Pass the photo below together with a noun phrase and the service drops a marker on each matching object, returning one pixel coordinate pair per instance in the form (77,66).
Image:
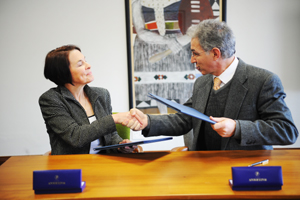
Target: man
(247,104)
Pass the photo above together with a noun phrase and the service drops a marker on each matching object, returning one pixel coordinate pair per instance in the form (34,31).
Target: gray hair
(212,33)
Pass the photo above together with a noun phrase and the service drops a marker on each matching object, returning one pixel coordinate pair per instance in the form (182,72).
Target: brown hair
(57,65)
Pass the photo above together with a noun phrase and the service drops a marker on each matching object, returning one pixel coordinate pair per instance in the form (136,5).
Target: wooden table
(162,175)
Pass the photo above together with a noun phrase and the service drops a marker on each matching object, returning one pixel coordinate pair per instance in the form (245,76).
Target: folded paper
(256,178)
(57,181)
(181,108)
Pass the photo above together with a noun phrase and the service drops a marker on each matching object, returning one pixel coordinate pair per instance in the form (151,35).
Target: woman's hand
(134,119)
(126,119)
(127,149)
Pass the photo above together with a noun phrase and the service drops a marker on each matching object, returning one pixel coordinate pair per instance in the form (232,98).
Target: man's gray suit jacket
(255,101)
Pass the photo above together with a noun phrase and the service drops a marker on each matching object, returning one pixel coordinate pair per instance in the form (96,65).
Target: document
(181,108)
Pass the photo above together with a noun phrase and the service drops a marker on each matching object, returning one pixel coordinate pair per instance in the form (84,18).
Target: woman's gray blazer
(67,123)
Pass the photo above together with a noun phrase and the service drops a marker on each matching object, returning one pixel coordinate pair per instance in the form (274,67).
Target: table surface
(155,175)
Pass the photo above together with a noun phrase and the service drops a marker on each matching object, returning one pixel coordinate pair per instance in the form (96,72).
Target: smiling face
(204,61)
(79,68)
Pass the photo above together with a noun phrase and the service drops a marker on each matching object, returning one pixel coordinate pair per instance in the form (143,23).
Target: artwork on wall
(158,46)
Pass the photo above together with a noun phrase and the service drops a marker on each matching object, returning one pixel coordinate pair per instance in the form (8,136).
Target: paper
(181,108)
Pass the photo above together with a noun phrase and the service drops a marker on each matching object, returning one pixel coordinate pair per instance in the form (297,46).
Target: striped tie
(217,83)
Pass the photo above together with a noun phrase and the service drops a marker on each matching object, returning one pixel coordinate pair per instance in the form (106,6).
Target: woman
(78,117)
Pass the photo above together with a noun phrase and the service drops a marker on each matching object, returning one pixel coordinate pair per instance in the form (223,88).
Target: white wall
(267,34)
(29,30)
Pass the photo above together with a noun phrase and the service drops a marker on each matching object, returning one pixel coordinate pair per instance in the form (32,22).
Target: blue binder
(181,108)
(114,146)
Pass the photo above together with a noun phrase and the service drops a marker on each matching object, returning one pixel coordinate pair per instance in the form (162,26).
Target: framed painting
(158,46)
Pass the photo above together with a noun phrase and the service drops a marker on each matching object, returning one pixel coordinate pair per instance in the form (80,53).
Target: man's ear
(217,53)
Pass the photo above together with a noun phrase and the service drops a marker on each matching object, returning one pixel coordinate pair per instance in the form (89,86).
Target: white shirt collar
(227,75)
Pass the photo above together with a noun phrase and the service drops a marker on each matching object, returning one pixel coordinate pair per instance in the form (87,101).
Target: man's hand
(126,119)
(225,127)
(140,117)
(134,119)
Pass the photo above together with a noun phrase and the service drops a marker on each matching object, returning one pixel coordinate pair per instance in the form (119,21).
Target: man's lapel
(236,95)
(200,99)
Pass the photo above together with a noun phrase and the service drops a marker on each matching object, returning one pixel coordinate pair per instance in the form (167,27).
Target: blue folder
(132,143)
(181,108)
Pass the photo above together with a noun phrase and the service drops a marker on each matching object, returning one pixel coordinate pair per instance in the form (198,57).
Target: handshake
(133,119)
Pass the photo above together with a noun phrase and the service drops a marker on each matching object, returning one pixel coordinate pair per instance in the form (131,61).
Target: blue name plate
(57,181)
(256,178)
